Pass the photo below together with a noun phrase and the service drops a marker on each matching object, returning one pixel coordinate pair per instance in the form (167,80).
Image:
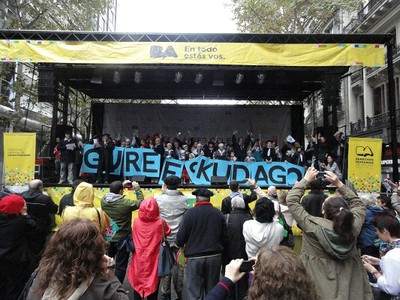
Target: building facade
(363,109)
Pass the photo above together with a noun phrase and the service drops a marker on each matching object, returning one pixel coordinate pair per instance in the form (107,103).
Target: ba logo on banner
(364,151)
(159,52)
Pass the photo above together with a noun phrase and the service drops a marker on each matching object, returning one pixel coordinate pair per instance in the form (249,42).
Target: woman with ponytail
(329,250)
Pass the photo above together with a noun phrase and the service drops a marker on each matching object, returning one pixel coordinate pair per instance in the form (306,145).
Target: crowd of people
(319,152)
(350,245)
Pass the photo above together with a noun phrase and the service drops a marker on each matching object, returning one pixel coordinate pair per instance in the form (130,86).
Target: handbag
(127,244)
(110,230)
(166,258)
(288,240)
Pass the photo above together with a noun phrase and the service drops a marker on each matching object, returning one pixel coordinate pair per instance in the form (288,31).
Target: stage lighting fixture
(96,77)
(117,77)
(239,78)
(178,77)
(138,77)
(199,78)
(260,78)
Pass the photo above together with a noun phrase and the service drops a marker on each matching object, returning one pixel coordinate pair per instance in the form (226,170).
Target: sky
(175,16)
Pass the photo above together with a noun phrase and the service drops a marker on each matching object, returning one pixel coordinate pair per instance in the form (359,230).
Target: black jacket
(312,203)
(240,150)
(14,231)
(202,229)
(68,155)
(235,243)
(272,154)
(40,207)
(226,205)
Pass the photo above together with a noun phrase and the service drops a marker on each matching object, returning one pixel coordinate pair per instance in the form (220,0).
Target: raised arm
(298,212)
(356,206)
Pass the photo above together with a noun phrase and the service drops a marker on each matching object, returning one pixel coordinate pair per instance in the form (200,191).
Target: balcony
(368,15)
(373,123)
(356,76)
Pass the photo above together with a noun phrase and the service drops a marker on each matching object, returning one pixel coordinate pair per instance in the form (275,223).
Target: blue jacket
(367,235)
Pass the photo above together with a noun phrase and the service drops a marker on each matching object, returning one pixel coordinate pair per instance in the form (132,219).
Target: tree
(52,14)
(287,16)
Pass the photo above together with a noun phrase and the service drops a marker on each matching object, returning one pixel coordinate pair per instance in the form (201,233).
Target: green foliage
(287,16)
(77,15)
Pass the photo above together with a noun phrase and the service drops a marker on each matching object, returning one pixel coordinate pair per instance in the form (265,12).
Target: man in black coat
(226,205)
(202,231)
(105,150)
(40,208)
(240,147)
(236,244)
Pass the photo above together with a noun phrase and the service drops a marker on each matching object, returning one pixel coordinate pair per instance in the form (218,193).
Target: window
(397,91)
(360,107)
(378,98)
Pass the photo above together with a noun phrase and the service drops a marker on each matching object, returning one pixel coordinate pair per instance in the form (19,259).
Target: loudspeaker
(219,180)
(138,178)
(331,91)
(46,85)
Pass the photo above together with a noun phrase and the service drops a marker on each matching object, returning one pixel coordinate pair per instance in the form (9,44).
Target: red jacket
(147,236)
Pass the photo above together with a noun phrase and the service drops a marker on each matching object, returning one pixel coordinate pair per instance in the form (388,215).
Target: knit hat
(12,204)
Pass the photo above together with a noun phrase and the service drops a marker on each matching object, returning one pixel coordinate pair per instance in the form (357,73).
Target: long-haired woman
(329,250)
(279,274)
(74,266)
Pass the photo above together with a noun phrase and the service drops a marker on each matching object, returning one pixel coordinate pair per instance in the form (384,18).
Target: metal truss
(89,36)
(175,101)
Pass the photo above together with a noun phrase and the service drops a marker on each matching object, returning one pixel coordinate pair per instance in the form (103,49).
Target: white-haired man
(235,244)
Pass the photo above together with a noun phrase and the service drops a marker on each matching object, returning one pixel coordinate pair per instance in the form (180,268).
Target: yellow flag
(364,165)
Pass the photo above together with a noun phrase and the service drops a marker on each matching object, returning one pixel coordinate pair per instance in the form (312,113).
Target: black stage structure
(291,85)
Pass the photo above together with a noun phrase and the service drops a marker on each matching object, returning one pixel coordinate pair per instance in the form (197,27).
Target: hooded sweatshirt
(84,208)
(147,236)
(119,208)
(258,235)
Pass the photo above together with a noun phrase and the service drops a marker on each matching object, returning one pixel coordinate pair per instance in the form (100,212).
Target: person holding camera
(329,249)
(278,274)
(118,205)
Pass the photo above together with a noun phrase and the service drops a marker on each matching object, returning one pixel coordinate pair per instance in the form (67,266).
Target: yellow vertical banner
(364,164)
(19,158)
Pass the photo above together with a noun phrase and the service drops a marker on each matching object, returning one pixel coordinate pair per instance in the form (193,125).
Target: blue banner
(222,168)
(276,173)
(172,167)
(140,161)
(240,172)
(146,162)
(200,170)
(91,159)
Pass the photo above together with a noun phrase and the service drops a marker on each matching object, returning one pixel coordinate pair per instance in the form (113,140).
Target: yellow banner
(298,55)
(19,158)
(364,166)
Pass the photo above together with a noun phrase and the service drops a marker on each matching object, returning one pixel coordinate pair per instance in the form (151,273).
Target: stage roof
(241,66)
